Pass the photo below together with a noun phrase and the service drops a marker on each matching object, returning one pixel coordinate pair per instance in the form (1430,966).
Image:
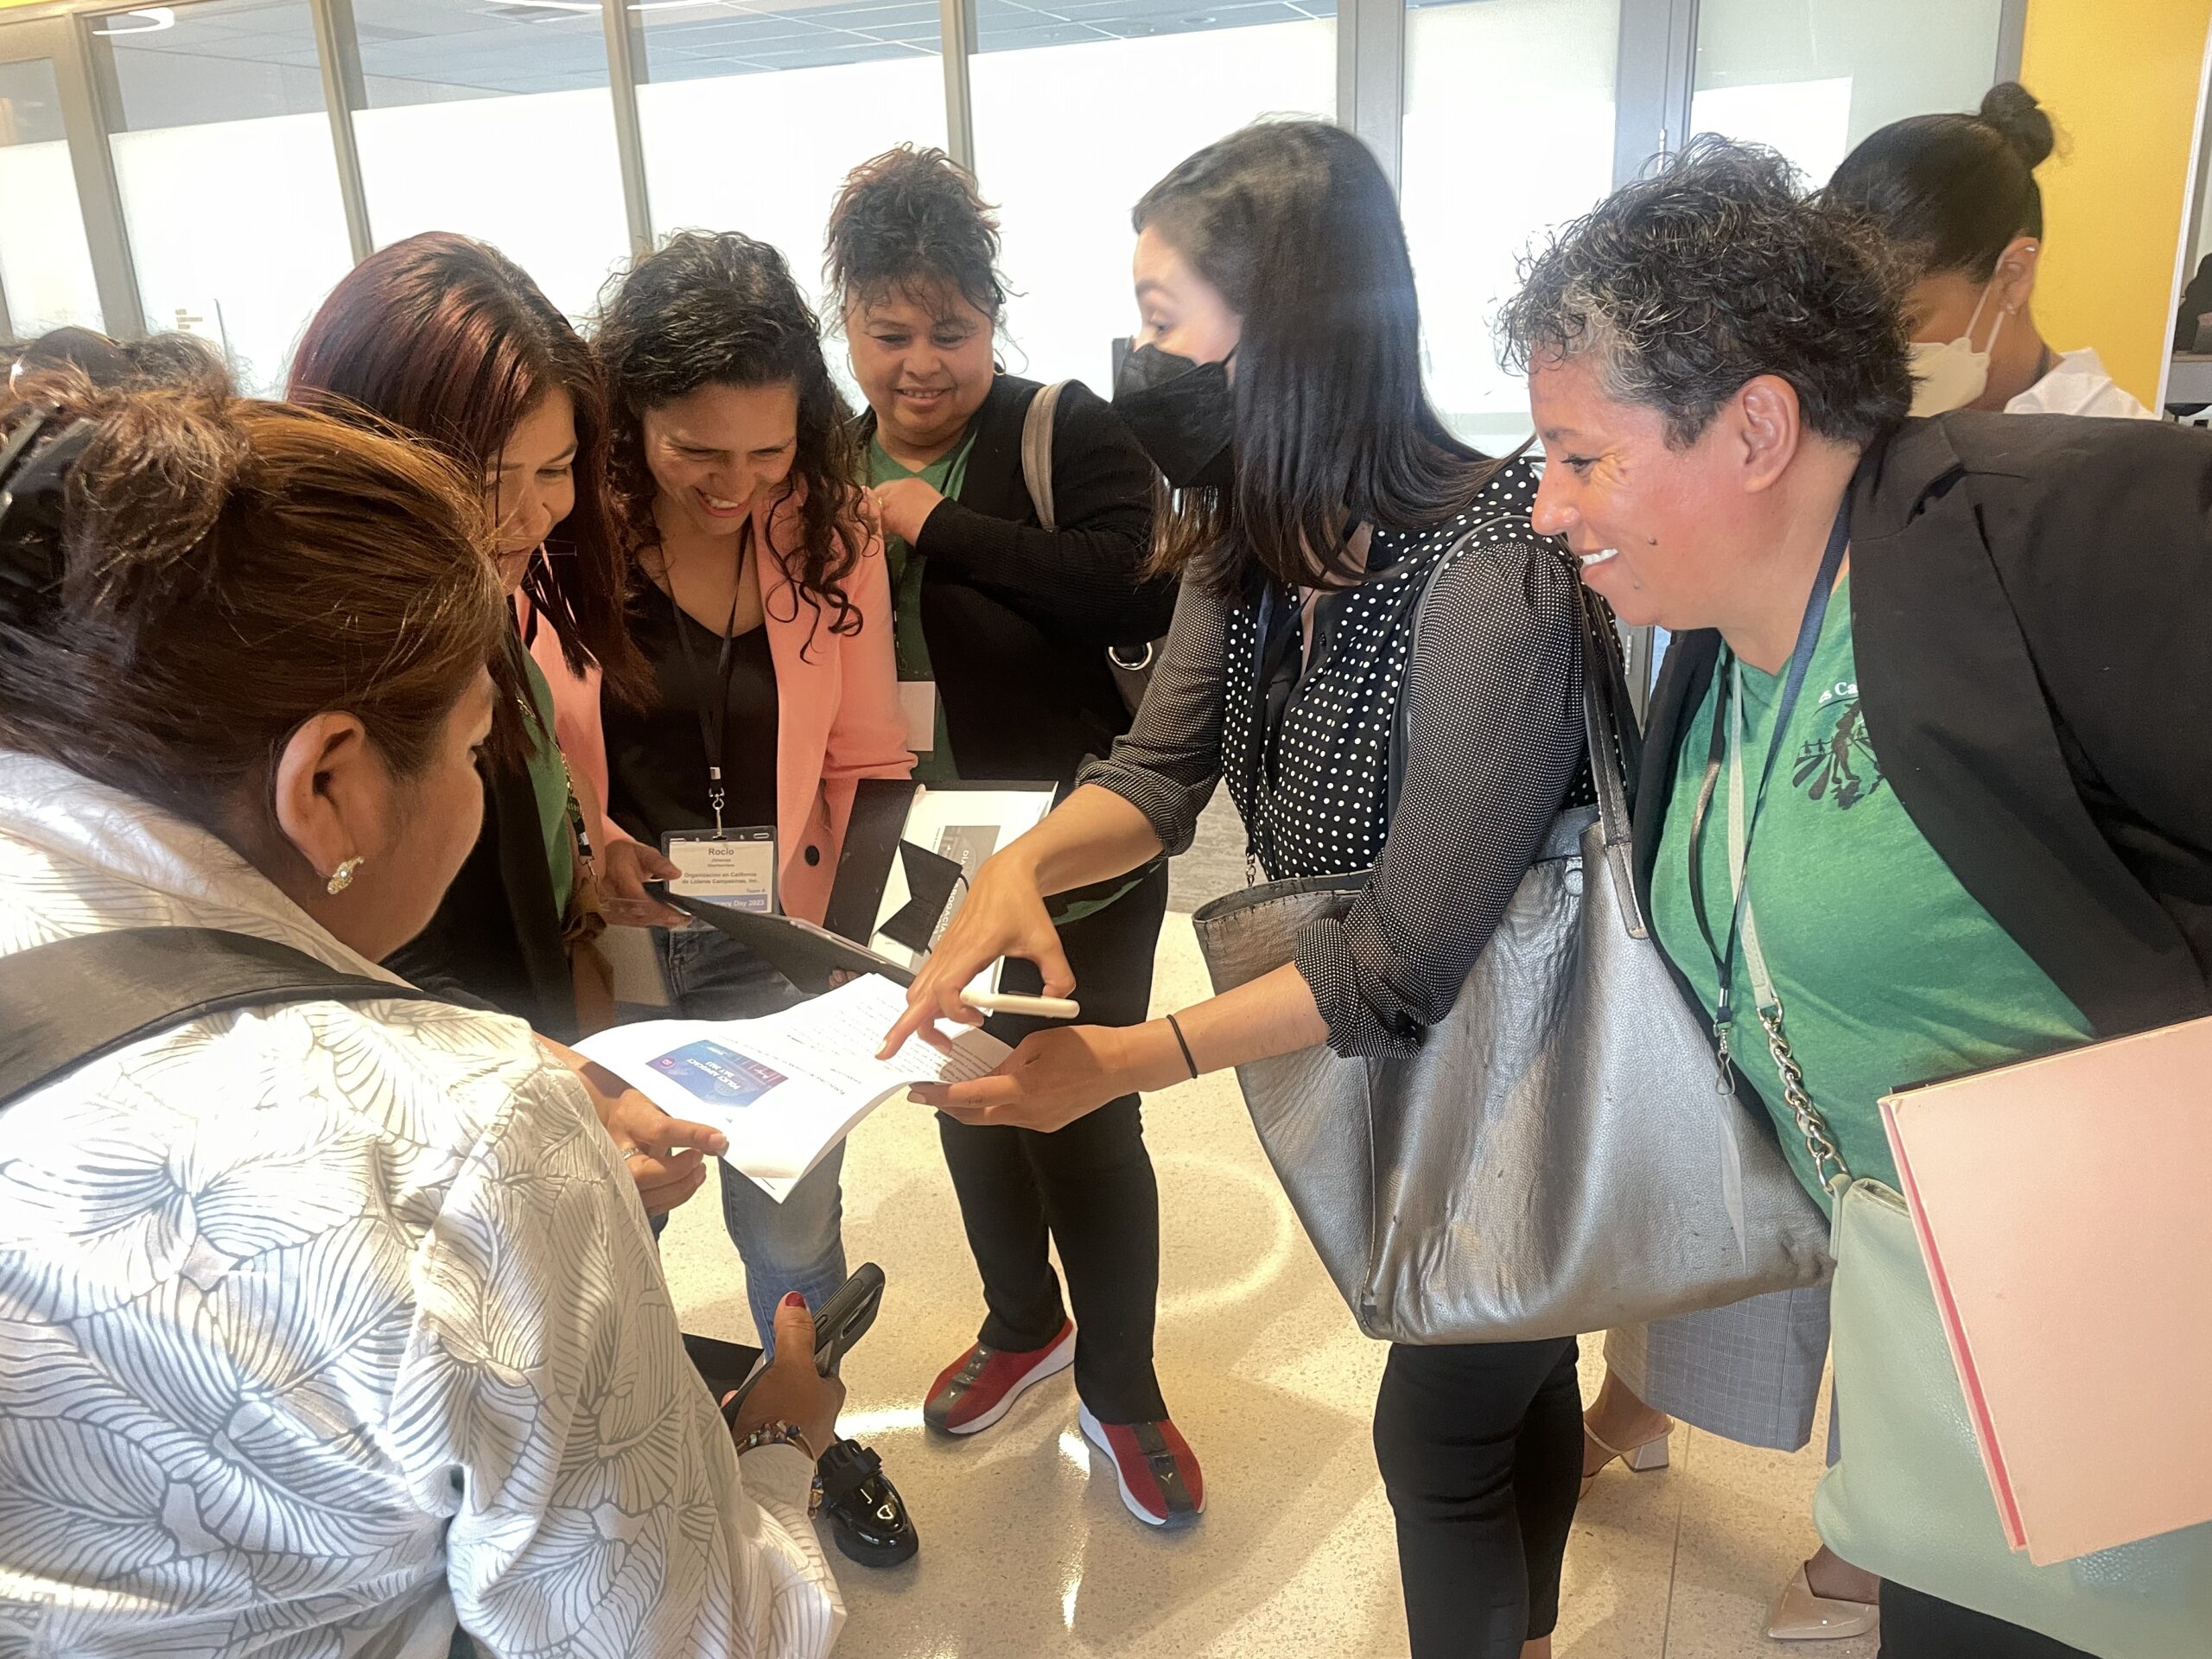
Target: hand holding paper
(786,1089)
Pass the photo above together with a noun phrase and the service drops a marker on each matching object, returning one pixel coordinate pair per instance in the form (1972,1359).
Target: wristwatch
(778,1433)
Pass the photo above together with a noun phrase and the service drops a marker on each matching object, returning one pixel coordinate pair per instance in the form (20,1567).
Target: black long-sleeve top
(1018,618)
(1492,683)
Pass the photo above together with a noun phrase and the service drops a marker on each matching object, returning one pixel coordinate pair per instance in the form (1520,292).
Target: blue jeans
(799,1243)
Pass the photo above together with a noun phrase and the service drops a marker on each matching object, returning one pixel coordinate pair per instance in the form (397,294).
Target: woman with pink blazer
(759,599)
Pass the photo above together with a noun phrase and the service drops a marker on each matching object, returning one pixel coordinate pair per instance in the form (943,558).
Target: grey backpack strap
(1037,451)
(69,1003)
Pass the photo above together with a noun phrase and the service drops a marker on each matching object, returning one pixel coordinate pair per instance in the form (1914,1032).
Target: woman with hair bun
(1958,194)
(328,1324)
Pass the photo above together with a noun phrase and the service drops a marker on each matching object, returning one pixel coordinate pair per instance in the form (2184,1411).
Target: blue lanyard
(1800,662)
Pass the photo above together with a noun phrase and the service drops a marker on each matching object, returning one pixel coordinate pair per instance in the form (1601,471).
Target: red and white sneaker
(1158,1472)
(981,1386)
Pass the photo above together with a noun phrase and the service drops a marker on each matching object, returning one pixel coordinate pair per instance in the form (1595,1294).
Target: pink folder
(2064,1208)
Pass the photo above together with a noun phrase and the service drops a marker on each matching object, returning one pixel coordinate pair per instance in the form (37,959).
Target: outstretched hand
(1003,915)
(1060,1074)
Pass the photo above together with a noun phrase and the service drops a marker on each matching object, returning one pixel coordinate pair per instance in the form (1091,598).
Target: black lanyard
(713,702)
(1800,662)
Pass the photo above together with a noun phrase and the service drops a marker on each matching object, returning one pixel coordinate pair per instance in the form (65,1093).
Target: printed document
(787,1088)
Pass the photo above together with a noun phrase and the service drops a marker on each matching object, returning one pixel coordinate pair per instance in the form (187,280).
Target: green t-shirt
(945,475)
(549,781)
(1890,973)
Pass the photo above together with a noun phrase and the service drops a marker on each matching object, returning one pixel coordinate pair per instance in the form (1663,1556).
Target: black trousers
(1917,1626)
(1481,1451)
(1087,1188)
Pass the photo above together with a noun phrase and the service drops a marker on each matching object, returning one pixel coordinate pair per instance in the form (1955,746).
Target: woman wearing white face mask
(1960,191)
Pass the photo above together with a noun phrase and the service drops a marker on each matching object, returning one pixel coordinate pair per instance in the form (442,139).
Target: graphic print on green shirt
(1889,972)
(549,782)
(946,475)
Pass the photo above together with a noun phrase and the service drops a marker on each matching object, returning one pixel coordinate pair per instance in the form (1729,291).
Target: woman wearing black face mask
(1322,498)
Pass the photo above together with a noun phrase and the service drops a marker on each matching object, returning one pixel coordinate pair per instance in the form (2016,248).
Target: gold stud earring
(342,877)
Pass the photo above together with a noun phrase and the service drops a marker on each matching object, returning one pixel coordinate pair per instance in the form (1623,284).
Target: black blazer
(1018,618)
(2032,613)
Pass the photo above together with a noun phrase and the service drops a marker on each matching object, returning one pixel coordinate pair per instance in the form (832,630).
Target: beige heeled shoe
(1800,1616)
(1642,1457)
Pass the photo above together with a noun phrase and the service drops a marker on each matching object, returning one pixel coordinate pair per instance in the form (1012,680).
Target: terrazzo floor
(1027,1549)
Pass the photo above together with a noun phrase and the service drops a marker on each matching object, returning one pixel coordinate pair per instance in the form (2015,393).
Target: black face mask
(1183,413)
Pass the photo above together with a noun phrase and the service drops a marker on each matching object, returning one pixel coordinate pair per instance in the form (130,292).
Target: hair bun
(160,472)
(2013,110)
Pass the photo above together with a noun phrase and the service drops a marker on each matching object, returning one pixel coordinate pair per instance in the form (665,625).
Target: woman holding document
(1938,683)
(757,596)
(1335,543)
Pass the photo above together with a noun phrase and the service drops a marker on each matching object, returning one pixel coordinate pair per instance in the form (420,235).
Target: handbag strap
(1611,734)
(1037,451)
(68,1002)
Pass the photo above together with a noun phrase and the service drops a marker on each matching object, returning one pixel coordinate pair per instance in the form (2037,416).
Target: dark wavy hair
(721,309)
(449,341)
(1296,225)
(1954,189)
(911,223)
(1715,268)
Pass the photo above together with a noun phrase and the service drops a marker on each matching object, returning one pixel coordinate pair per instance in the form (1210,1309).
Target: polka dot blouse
(1492,689)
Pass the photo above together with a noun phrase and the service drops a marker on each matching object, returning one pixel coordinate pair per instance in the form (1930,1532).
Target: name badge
(917,702)
(736,869)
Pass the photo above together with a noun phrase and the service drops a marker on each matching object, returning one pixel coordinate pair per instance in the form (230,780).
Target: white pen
(1044,1007)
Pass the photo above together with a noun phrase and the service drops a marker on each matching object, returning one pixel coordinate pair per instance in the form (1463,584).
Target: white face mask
(1950,374)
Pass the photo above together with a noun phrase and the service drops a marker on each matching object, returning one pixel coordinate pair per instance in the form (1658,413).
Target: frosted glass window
(1081,109)
(230,189)
(752,116)
(494,121)
(1509,132)
(1812,77)
(45,268)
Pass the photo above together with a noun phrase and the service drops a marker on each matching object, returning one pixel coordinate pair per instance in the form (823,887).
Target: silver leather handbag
(1555,1158)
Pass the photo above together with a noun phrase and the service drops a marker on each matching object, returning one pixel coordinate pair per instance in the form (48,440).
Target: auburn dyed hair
(449,341)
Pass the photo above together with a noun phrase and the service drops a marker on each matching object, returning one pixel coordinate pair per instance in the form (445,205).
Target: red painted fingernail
(794,1300)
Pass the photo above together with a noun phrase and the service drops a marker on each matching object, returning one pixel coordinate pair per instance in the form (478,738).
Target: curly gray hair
(1714,269)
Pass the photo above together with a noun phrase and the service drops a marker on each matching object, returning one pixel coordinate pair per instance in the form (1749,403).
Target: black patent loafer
(871,1520)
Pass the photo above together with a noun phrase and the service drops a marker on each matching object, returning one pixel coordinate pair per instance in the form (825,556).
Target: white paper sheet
(787,1088)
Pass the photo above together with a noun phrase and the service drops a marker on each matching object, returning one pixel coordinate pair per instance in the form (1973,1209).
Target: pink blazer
(838,719)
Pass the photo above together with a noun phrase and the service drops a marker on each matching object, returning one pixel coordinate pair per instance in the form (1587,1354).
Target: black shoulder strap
(74,1000)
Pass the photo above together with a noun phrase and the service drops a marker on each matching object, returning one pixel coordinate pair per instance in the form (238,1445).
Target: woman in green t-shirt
(1983,836)
(1007,599)
(1007,603)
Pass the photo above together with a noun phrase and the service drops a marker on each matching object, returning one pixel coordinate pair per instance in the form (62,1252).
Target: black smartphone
(732,1369)
(844,1318)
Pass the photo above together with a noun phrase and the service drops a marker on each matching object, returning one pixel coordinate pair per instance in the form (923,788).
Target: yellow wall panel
(2120,78)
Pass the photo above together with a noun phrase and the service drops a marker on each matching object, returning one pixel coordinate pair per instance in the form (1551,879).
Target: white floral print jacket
(323,1325)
